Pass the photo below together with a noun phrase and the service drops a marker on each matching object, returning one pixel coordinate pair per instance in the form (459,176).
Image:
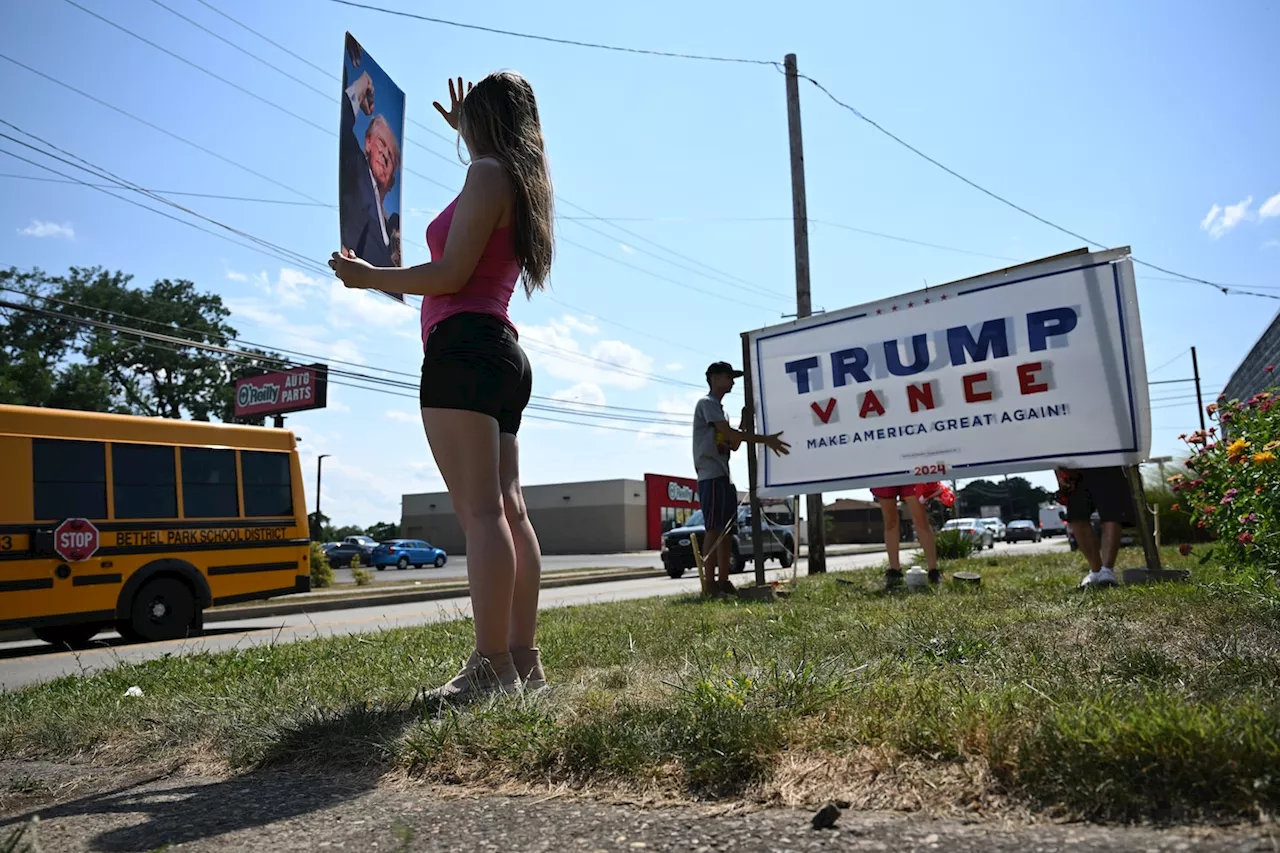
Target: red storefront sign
(669,501)
(287,391)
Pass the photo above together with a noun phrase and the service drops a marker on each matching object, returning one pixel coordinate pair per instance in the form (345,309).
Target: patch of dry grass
(1026,694)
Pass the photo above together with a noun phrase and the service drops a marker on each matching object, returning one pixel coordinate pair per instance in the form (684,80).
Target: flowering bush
(1233,484)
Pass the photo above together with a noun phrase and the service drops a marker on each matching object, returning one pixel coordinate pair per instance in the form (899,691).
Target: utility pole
(1195,367)
(317,530)
(804,305)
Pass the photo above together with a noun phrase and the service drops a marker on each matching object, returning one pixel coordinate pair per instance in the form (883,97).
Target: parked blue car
(403,553)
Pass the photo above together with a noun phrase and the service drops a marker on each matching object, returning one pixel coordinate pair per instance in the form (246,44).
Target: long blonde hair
(500,120)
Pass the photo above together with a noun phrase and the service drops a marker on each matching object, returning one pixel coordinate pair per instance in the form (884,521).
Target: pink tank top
(489,289)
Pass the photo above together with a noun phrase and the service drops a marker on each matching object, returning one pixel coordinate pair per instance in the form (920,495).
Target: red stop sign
(75,540)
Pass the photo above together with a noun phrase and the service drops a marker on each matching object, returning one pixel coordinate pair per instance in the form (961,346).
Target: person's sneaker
(480,677)
(1101,578)
(528,663)
(935,577)
(893,578)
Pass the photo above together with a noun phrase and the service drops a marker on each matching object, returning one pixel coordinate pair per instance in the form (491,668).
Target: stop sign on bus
(75,540)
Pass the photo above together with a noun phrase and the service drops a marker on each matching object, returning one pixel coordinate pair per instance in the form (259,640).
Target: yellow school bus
(138,524)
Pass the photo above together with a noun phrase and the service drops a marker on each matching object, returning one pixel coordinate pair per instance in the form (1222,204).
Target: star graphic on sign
(911,305)
(926,302)
(943,296)
(878,311)
(895,308)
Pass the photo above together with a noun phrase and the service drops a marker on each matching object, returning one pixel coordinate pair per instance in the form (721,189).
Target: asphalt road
(457,566)
(29,662)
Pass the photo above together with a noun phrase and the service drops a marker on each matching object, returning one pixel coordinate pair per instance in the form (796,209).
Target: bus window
(143,481)
(209,483)
(268,490)
(70,479)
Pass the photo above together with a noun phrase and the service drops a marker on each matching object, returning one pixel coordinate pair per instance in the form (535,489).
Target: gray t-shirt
(710,457)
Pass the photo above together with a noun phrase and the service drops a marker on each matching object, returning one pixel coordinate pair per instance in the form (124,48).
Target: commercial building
(595,517)
(1258,370)
(852,521)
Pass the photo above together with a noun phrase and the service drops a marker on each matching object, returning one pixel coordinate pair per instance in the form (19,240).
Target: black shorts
(1104,490)
(473,362)
(719,501)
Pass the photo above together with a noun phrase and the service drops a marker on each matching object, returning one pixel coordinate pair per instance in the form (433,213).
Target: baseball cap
(723,367)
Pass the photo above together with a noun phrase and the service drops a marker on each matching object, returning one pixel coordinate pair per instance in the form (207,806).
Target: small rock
(826,816)
(133,692)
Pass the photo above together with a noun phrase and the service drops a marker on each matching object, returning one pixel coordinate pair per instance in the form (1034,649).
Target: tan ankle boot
(528,663)
(480,676)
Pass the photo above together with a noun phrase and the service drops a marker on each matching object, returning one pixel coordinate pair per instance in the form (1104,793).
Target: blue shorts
(719,501)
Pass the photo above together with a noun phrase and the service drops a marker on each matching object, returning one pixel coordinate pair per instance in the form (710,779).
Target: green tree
(1016,497)
(384,530)
(53,354)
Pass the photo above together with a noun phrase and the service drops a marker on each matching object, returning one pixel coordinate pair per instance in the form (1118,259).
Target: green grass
(1159,702)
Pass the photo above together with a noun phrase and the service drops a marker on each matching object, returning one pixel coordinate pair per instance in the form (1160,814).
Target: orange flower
(1264,457)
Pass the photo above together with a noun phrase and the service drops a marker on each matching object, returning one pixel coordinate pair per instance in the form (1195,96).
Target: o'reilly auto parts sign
(279,393)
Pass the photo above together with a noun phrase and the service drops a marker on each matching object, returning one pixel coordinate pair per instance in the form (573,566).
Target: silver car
(974,530)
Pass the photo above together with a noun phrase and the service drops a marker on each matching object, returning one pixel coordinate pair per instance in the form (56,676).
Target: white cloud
(1270,207)
(1220,220)
(585,325)
(606,363)
(675,366)
(289,286)
(366,309)
(401,416)
(624,247)
(236,276)
(1271,244)
(40,228)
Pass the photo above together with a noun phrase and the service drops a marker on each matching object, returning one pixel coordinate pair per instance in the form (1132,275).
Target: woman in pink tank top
(476,380)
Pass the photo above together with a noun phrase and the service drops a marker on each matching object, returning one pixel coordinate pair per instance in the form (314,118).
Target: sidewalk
(283,812)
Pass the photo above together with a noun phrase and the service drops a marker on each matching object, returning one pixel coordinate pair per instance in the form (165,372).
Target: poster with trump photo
(1022,369)
(370,159)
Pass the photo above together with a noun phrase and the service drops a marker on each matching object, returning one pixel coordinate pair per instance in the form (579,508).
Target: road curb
(287,608)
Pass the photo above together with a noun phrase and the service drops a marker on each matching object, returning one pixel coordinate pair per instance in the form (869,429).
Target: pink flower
(1175,507)
(1229,496)
(1249,518)
(1245,538)
(1269,368)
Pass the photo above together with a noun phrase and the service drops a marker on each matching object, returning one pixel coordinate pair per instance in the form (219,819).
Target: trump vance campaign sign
(1018,370)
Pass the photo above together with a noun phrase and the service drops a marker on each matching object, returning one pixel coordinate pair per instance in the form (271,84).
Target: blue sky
(1158,131)
(389,103)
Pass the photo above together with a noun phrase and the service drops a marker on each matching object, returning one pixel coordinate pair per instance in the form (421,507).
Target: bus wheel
(75,636)
(162,610)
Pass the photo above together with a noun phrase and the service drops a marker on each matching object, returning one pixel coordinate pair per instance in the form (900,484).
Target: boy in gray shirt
(713,441)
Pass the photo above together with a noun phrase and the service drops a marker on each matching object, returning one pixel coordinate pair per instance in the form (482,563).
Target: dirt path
(84,809)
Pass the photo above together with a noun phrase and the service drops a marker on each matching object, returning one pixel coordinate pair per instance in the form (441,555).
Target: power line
(994,195)
(151,209)
(301,59)
(157,127)
(554,40)
(294,257)
(374,383)
(1169,362)
(331,361)
(735,279)
(185,194)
